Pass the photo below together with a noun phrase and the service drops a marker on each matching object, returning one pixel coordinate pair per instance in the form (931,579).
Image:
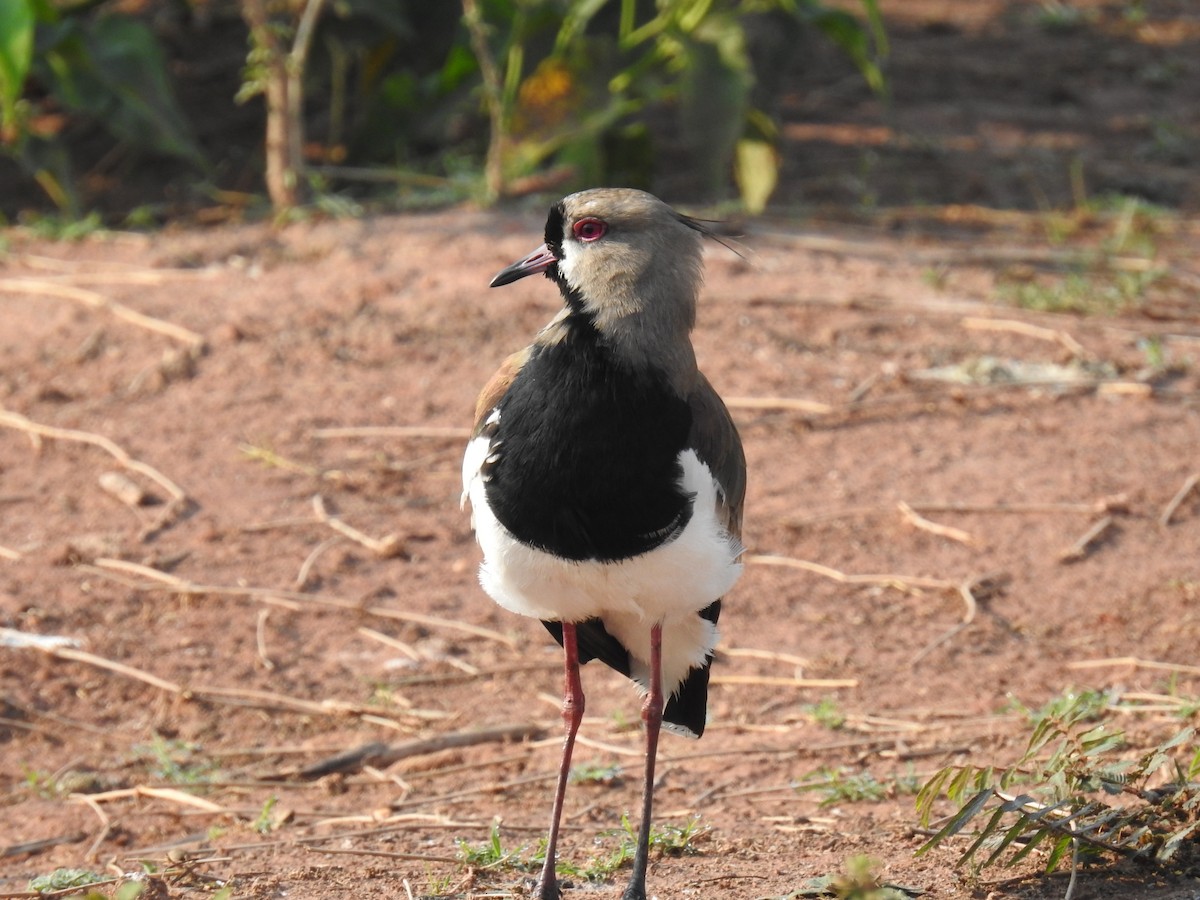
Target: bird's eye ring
(590,229)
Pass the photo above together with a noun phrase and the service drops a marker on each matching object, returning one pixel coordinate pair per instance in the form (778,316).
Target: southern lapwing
(605,475)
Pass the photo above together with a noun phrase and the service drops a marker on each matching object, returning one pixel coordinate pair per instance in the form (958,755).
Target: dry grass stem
(1115,503)
(260,639)
(1082,547)
(784,682)
(311,560)
(380,755)
(905,583)
(9,553)
(160,580)
(387,854)
(393,431)
(1134,663)
(171,795)
(1028,329)
(395,643)
(119,668)
(918,521)
(791,404)
(385,547)
(233,696)
(123,488)
(1170,509)
(108,271)
(178,496)
(770,655)
(498,787)
(95,300)
(602,746)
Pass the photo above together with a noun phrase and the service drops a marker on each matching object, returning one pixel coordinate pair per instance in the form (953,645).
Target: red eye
(590,229)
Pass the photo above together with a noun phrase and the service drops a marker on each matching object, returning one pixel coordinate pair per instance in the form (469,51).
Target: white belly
(669,584)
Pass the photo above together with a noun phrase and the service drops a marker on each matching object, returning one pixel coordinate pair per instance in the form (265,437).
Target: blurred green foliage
(58,63)
(483,97)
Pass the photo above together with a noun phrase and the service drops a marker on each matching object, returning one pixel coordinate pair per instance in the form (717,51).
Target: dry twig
(1133,662)
(918,521)
(159,581)
(385,547)
(96,300)
(792,404)
(311,560)
(179,497)
(381,755)
(1080,549)
(1170,509)
(905,583)
(431,432)
(1030,330)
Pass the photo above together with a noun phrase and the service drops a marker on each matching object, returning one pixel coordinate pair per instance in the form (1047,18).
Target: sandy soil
(229,478)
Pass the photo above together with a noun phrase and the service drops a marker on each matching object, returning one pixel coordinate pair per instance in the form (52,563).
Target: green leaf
(1035,839)
(756,169)
(16,53)
(848,33)
(1061,846)
(130,64)
(959,820)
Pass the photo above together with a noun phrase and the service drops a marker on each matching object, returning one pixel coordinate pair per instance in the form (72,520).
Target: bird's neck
(636,340)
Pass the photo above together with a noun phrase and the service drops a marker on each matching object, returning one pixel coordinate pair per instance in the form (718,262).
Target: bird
(606,477)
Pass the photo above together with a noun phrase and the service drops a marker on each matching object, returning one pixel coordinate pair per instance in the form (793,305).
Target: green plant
(60,226)
(91,64)
(595,773)
(858,882)
(844,786)
(64,879)
(666,839)
(265,822)
(826,713)
(1055,15)
(582,103)
(41,783)
(1100,294)
(174,761)
(1061,804)
(492,854)
(275,68)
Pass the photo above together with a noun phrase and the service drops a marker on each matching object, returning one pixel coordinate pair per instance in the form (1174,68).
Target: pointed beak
(538,261)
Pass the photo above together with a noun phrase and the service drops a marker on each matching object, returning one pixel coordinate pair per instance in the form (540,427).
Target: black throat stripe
(585,455)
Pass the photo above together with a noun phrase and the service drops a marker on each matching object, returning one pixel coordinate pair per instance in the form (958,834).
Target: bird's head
(625,260)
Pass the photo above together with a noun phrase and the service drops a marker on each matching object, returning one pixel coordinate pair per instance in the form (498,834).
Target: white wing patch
(669,584)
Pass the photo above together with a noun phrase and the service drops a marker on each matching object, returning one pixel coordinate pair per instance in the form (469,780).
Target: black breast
(585,455)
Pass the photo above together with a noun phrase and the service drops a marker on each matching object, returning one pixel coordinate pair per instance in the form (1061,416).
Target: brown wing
(496,387)
(715,439)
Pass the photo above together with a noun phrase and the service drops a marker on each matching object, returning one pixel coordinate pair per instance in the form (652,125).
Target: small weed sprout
(826,713)
(858,882)
(491,854)
(844,786)
(265,823)
(172,761)
(594,773)
(64,879)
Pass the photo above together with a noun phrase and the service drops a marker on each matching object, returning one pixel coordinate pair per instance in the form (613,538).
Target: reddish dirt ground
(228,629)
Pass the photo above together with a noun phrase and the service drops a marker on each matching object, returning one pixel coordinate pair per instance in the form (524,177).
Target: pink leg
(652,711)
(572,713)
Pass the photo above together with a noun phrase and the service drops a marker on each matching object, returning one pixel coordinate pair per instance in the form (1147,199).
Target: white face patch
(568,263)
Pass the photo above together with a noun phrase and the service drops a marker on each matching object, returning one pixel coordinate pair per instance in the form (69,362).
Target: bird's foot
(635,891)
(547,889)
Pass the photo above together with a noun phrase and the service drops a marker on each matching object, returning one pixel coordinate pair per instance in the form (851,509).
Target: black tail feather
(687,708)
